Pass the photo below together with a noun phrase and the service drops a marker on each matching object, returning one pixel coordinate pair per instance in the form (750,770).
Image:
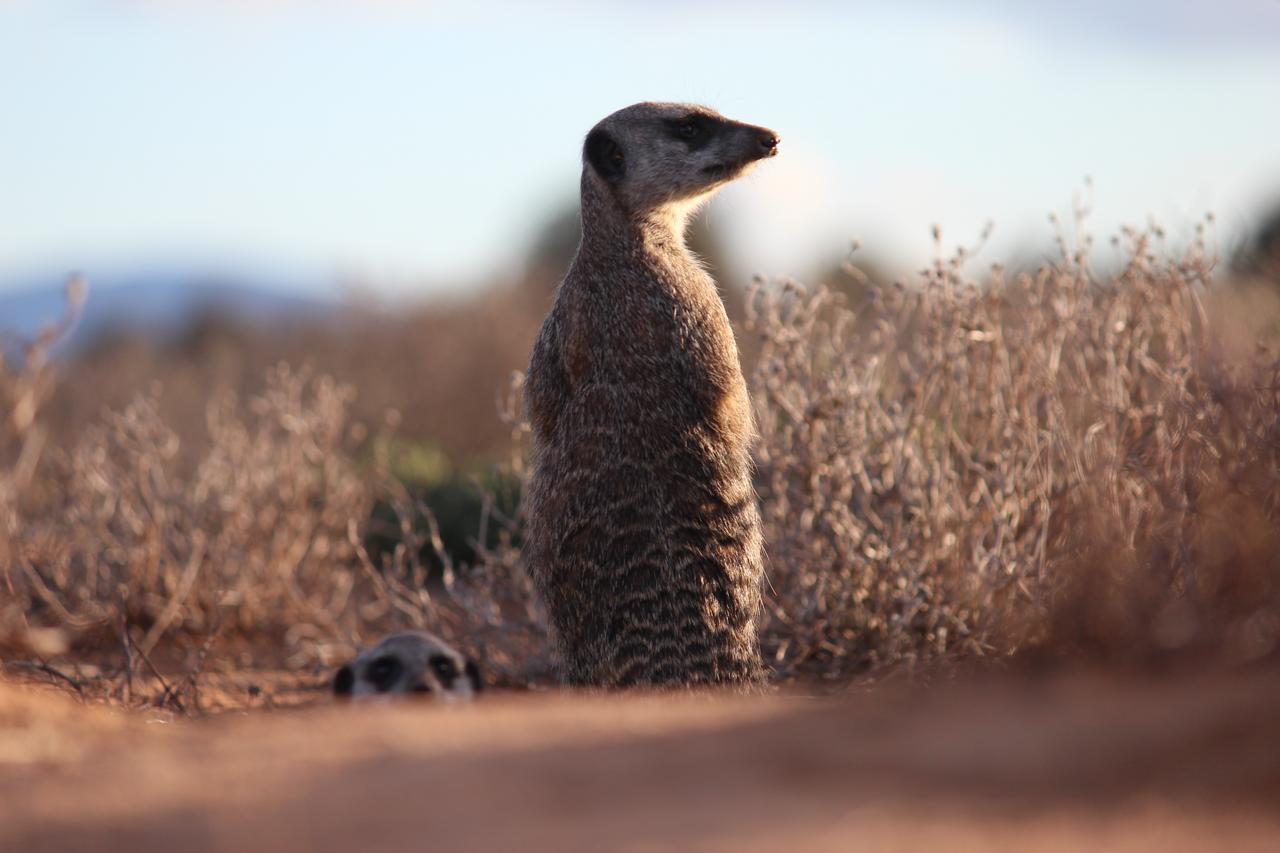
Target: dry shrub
(261,546)
(26,384)
(23,389)
(1051,463)
(254,540)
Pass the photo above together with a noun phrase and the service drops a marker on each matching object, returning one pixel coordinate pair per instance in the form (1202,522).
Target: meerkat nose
(768,142)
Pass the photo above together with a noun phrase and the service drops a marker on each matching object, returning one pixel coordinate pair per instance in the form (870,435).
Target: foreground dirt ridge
(1055,765)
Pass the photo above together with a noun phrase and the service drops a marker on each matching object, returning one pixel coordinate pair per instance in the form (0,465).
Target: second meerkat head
(650,156)
(410,662)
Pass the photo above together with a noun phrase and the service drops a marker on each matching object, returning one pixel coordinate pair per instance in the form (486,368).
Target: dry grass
(26,383)
(1050,466)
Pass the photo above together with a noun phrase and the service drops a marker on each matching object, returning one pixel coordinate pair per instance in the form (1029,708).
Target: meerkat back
(643,536)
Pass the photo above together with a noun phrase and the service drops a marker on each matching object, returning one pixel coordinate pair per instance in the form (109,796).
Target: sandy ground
(1060,764)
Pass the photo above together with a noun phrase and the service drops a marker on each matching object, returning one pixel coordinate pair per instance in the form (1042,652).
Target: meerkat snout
(769,142)
(411,662)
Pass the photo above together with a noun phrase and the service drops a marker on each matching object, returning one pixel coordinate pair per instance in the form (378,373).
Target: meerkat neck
(659,232)
(669,221)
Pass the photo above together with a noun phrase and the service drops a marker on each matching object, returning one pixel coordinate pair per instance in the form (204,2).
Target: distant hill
(157,303)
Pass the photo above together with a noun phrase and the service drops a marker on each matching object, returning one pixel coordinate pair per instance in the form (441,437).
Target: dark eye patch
(384,672)
(694,130)
(445,669)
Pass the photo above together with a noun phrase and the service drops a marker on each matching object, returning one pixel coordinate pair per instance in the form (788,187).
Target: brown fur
(643,534)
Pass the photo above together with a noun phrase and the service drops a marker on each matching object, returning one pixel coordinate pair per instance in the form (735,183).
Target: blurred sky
(418,143)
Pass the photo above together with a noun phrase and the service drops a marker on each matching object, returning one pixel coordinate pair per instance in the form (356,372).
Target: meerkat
(412,662)
(643,535)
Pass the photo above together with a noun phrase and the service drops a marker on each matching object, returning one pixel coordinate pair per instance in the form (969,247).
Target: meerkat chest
(681,316)
(658,328)
(670,343)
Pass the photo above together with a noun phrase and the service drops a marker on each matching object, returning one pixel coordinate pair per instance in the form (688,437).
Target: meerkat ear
(605,155)
(344,682)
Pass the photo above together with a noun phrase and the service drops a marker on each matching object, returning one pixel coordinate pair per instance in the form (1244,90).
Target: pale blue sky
(411,143)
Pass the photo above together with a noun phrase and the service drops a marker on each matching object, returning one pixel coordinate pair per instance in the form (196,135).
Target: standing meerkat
(643,536)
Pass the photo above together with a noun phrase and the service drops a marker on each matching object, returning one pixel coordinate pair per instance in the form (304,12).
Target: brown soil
(1059,764)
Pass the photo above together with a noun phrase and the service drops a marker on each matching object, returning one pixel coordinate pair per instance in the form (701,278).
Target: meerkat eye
(445,669)
(688,130)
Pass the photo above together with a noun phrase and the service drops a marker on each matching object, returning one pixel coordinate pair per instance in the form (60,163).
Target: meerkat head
(412,662)
(653,157)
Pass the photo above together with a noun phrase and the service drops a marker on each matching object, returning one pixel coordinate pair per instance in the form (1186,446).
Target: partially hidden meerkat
(410,662)
(643,536)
